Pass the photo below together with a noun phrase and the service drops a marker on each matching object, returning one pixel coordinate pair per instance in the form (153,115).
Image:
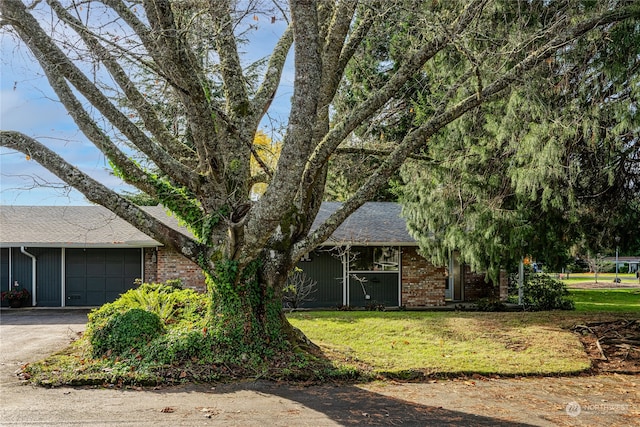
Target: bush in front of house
(125,333)
(171,303)
(490,305)
(159,334)
(542,292)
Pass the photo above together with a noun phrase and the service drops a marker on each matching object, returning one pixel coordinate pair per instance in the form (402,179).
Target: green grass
(447,343)
(402,344)
(603,278)
(608,300)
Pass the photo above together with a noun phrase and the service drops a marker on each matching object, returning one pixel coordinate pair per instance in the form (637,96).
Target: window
(374,258)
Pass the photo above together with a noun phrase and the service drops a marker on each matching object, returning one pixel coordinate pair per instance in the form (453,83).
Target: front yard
(405,345)
(609,300)
(434,344)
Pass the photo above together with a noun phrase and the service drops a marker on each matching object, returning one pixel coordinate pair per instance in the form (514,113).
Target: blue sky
(29,105)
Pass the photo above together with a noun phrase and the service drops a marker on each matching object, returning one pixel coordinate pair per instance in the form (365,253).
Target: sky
(29,105)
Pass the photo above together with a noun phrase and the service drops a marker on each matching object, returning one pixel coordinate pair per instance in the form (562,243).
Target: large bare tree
(163,90)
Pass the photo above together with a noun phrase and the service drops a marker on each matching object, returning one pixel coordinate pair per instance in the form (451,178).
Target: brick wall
(163,264)
(475,286)
(423,283)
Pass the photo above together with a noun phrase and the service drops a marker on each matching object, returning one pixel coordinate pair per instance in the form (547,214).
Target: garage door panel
(96,265)
(100,275)
(112,296)
(95,284)
(132,267)
(114,262)
(75,284)
(95,298)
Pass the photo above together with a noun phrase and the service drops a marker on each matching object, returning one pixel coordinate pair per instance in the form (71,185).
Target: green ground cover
(355,344)
(603,278)
(447,343)
(606,300)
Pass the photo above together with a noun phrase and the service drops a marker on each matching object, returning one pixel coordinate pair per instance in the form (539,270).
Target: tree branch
(267,90)
(409,67)
(161,158)
(98,193)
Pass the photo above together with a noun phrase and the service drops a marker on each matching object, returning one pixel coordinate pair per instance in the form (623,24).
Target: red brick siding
(170,265)
(475,286)
(423,283)
(150,266)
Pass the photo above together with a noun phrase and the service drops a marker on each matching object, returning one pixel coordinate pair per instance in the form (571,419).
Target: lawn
(603,278)
(452,343)
(449,343)
(397,344)
(610,300)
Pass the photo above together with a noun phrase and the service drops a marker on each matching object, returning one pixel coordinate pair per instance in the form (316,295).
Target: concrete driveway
(29,335)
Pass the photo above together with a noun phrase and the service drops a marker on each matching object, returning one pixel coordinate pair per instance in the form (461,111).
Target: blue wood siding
(326,269)
(4,272)
(48,276)
(381,288)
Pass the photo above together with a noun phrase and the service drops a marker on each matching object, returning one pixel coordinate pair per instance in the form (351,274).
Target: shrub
(178,346)
(375,306)
(490,304)
(542,292)
(125,333)
(298,289)
(169,302)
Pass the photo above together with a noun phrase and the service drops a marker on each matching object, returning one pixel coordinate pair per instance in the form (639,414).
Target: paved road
(27,335)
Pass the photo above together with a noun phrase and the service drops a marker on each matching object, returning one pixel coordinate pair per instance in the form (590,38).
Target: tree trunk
(246,311)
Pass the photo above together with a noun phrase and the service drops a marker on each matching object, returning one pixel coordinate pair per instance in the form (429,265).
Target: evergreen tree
(554,164)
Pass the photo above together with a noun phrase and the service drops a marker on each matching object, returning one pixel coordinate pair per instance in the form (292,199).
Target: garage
(96,276)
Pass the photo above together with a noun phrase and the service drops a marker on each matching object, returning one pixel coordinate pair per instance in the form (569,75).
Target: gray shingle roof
(71,226)
(374,223)
(85,226)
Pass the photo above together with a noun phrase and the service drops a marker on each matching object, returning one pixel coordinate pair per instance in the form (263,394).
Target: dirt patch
(613,347)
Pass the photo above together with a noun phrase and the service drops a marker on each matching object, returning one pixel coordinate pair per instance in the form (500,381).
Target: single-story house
(372,259)
(86,256)
(629,263)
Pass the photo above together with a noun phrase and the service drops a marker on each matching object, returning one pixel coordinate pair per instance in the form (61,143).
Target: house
(372,259)
(83,255)
(629,263)
(86,256)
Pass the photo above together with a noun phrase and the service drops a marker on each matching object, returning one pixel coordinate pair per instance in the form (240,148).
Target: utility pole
(521,281)
(617,246)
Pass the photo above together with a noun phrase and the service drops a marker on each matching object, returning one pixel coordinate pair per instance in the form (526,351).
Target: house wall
(475,286)
(163,264)
(423,284)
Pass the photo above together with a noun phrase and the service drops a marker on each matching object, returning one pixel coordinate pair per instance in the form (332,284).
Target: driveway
(28,335)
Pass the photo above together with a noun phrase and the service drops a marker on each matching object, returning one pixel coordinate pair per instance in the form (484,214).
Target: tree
(553,163)
(199,165)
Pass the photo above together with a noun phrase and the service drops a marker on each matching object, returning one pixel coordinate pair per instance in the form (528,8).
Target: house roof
(375,223)
(73,226)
